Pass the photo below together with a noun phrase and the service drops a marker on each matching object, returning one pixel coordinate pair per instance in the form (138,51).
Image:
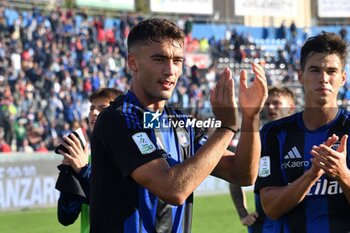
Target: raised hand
(252,99)
(223,100)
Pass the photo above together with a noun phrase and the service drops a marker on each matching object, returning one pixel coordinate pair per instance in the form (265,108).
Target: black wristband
(229,128)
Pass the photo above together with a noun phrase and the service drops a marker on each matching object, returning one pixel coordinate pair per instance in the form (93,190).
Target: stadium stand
(52,59)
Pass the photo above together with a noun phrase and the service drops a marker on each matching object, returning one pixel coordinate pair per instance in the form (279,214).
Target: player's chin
(272,117)
(166,95)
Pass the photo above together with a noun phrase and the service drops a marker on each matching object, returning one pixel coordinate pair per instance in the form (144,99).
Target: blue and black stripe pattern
(288,144)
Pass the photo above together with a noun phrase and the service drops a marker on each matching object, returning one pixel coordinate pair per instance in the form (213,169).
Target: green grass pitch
(212,214)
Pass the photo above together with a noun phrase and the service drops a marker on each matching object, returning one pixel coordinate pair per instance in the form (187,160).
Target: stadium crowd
(50,64)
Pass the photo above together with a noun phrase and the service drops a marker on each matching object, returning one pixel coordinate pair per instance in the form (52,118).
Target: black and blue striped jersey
(285,156)
(263,223)
(120,144)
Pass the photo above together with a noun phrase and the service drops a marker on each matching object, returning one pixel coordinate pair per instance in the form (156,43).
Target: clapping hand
(223,100)
(252,99)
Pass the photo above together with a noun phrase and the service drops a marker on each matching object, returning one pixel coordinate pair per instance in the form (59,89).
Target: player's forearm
(237,197)
(247,153)
(184,178)
(274,201)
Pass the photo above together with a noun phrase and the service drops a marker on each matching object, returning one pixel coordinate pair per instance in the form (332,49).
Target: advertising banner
(273,8)
(333,8)
(127,5)
(28,180)
(200,7)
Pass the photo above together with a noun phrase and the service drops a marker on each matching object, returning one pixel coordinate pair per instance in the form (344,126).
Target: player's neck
(147,102)
(316,117)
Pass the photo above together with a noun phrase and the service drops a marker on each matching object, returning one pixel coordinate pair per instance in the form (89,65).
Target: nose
(324,77)
(169,68)
(95,112)
(269,106)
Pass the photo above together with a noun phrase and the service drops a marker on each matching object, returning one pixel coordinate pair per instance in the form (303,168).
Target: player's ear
(300,76)
(343,78)
(132,62)
(292,108)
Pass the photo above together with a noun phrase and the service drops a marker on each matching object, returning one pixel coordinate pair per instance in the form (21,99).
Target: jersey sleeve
(129,147)
(269,165)
(84,177)
(68,208)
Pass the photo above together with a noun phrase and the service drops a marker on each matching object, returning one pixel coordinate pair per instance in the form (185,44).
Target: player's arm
(175,184)
(278,200)
(84,177)
(239,200)
(273,198)
(242,168)
(68,208)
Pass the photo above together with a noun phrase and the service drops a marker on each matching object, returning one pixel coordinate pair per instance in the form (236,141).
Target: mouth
(323,90)
(272,114)
(167,84)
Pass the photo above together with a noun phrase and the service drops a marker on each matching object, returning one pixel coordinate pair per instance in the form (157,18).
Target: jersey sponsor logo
(265,166)
(290,157)
(325,187)
(144,143)
(293,164)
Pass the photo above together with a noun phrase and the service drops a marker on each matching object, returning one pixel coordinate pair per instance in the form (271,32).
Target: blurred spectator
(42,147)
(204,45)
(20,132)
(265,33)
(188,26)
(4,146)
(26,147)
(293,32)
(343,33)
(281,31)
(195,73)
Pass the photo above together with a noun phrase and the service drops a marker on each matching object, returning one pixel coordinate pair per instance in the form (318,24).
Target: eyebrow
(157,55)
(320,67)
(314,67)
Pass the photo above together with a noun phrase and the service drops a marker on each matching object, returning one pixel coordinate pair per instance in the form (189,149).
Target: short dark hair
(154,30)
(283,91)
(326,42)
(105,93)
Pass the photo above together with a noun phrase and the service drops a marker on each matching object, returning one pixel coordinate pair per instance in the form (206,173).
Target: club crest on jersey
(144,143)
(183,137)
(265,166)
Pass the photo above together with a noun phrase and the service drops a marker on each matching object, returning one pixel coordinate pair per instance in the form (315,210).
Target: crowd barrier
(27,180)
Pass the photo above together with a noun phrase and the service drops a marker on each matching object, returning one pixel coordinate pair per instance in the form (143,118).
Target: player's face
(278,106)
(156,68)
(97,106)
(322,78)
